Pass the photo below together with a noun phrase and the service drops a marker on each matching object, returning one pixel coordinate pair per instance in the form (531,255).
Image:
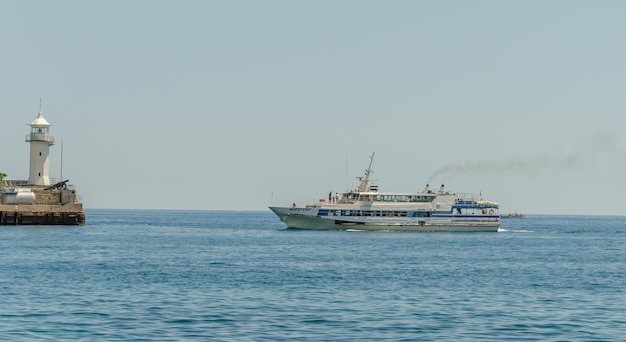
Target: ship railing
(466,196)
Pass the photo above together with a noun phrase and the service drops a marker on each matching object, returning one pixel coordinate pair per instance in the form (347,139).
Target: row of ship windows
(390,198)
(377,213)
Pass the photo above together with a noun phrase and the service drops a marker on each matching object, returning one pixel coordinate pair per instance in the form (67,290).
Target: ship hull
(308,218)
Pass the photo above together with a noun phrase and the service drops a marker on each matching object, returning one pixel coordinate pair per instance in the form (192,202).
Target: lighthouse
(40,141)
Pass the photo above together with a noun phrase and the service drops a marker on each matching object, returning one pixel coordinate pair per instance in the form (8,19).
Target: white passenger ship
(365,208)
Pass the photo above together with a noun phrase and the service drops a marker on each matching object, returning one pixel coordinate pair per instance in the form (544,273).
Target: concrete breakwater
(40,206)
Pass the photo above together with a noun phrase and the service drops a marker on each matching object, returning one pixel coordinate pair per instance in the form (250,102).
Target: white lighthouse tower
(40,141)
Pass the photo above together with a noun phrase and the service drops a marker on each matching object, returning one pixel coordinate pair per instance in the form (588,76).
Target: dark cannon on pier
(59,186)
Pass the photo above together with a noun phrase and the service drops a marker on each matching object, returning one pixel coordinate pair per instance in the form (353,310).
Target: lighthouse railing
(34,136)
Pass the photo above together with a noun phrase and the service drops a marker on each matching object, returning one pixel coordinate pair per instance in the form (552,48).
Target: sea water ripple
(223,276)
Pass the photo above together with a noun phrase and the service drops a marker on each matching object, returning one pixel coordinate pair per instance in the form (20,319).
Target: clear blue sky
(233,104)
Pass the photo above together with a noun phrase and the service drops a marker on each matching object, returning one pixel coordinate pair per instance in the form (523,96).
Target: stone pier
(50,207)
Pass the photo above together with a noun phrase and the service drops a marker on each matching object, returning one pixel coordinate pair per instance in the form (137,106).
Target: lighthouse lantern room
(40,141)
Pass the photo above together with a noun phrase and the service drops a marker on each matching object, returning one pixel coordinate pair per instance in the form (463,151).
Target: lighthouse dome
(39,121)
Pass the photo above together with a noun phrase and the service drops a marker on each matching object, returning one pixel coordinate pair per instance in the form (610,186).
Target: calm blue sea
(240,276)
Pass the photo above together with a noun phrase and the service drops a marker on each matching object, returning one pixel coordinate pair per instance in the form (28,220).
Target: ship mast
(365,180)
